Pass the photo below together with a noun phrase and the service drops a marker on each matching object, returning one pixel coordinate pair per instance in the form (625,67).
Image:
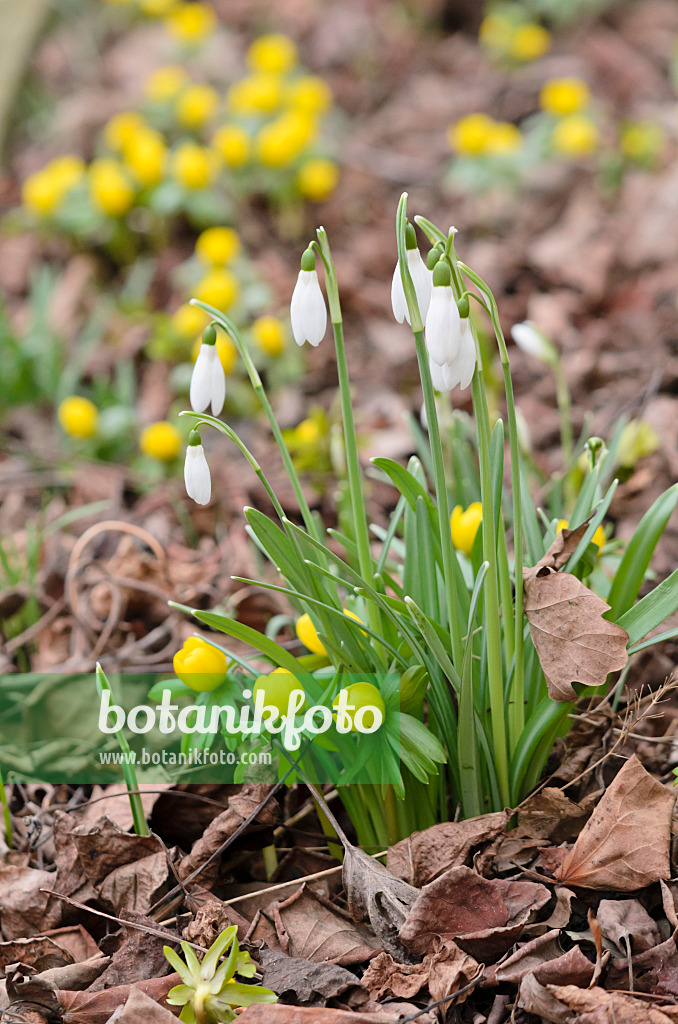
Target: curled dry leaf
(627,924)
(24,908)
(387,979)
(484,916)
(424,855)
(310,927)
(280,1013)
(140,1007)
(654,970)
(545,958)
(305,983)
(377,896)
(573,641)
(97,1007)
(625,843)
(596,1006)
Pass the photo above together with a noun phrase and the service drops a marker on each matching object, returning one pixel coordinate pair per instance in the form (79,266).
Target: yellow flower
(217,246)
(308,634)
(157,8)
(307,432)
(194,166)
(164,83)
(273,52)
(78,416)
(562,96)
(575,136)
(232,144)
(191,23)
(110,188)
(362,695)
(496,32)
(161,441)
(277,688)
(200,666)
(470,135)
(309,94)
(197,105)
(122,129)
(269,334)
(256,94)
(226,350)
(67,171)
(188,321)
(147,157)
(464,526)
(43,192)
(637,440)
(317,178)
(598,537)
(504,138)
(219,288)
(281,141)
(642,141)
(529,42)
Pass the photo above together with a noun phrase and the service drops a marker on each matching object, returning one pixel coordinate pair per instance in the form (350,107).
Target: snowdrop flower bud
(307,309)
(528,337)
(459,371)
(196,471)
(421,279)
(208,383)
(442,329)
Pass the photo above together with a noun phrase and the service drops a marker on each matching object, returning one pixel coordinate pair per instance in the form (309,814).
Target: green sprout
(209,992)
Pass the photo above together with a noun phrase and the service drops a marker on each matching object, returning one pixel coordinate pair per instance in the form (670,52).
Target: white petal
(437,376)
(466,360)
(422,280)
(532,341)
(201,380)
(296,305)
(197,475)
(307,309)
(438,325)
(398,301)
(218,385)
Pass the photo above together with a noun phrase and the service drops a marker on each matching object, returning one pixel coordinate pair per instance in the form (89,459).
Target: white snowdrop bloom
(459,371)
(442,329)
(208,382)
(196,471)
(307,309)
(438,375)
(531,340)
(421,279)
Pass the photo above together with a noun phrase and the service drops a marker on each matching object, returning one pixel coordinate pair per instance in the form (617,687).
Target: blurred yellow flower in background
(281,141)
(504,138)
(529,42)
(308,634)
(188,321)
(274,52)
(496,31)
(317,178)
(193,165)
(232,144)
(219,288)
(642,141)
(78,417)
(269,334)
(43,192)
(575,136)
(196,105)
(470,135)
(161,441)
(464,525)
(157,8)
(164,83)
(309,94)
(147,157)
(191,23)
(110,188)
(217,246)
(260,93)
(122,129)
(598,537)
(563,96)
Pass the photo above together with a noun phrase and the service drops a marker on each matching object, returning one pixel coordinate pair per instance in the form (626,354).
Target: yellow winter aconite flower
(277,688)
(308,634)
(164,83)
(196,105)
(122,129)
(529,42)
(188,321)
(232,144)
(200,666)
(147,157)
(317,178)
(563,96)
(269,334)
(110,188)
(598,537)
(464,526)
(358,696)
(642,141)
(219,288)
(191,23)
(309,94)
(637,440)
(504,138)
(471,134)
(67,171)
(281,141)
(496,31)
(575,136)
(217,246)
(194,166)
(161,441)
(273,52)
(78,417)
(260,93)
(157,8)
(43,192)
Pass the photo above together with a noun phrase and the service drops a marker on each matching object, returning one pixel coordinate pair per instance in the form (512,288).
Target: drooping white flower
(421,279)
(438,375)
(442,331)
(307,308)
(208,382)
(528,337)
(459,370)
(196,471)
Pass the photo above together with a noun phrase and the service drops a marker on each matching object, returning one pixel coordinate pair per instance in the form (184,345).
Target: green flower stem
(5,812)
(232,331)
(440,483)
(516,708)
(138,817)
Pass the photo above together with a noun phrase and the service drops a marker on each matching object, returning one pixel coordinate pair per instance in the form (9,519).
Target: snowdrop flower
(459,371)
(307,309)
(208,383)
(442,329)
(196,471)
(528,337)
(437,378)
(421,279)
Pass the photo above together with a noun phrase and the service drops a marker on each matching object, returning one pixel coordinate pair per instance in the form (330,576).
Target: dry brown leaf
(304,983)
(573,641)
(310,927)
(140,1007)
(551,815)
(41,952)
(280,1013)
(654,970)
(450,969)
(97,1007)
(377,896)
(597,1006)
(23,907)
(544,957)
(424,855)
(625,843)
(628,924)
(484,916)
(387,979)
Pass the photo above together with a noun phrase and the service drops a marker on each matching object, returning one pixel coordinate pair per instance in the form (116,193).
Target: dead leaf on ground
(140,1007)
(597,1006)
(551,815)
(139,957)
(654,970)
(302,982)
(483,916)
(627,924)
(39,952)
(450,969)
(23,907)
(545,958)
(97,1007)
(310,927)
(280,1013)
(377,896)
(387,979)
(625,843)
(424,855)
